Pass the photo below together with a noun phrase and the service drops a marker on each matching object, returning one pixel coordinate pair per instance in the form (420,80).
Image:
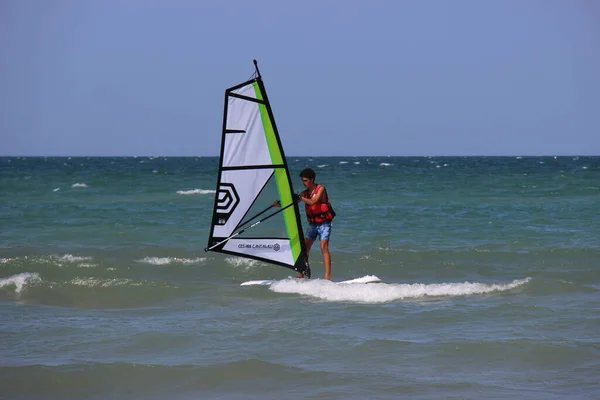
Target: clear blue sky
(422,77)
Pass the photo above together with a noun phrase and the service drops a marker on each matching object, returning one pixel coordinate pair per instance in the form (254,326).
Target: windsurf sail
(253,172)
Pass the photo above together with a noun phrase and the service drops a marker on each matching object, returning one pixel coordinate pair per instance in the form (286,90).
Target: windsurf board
(364,279)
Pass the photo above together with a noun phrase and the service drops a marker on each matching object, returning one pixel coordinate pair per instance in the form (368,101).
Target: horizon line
(306,156)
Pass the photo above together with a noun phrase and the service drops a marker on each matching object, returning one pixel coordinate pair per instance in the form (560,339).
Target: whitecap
(20,281)
(171,260)
(95,282)
(72,258)
(196,191)
(87,265)
(247,263)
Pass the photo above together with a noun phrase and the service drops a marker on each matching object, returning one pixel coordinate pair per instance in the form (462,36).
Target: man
(319,214)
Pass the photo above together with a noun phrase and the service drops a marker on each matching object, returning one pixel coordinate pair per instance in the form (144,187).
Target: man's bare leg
(326,258)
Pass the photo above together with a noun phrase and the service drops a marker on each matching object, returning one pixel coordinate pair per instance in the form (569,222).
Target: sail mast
(257,70)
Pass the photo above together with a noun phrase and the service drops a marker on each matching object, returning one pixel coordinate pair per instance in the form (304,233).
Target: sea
(489,269)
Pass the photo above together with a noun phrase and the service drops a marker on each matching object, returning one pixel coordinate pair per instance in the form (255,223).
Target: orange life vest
(321,211)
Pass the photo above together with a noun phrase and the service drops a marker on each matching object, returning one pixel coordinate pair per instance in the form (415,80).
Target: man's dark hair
(308,173)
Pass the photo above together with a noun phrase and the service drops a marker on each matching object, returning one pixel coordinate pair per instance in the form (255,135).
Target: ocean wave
(544,286)
(52,259)
(79,185)
(96,282)
(196,191)
(71,258)
(20,282)
(88,292)
(387,292)
(171,260)
(246,378)
(246,263)
(88,265)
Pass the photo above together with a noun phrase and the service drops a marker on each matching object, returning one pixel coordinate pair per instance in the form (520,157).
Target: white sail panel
(248,147)
(267,249)
(236,192)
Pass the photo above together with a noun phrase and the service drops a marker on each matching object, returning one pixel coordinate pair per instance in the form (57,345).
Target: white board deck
(262,283)
(364,279)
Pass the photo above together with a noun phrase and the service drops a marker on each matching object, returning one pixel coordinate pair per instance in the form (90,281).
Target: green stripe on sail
(283,184)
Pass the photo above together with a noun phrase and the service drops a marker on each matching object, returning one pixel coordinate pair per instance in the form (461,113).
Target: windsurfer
(319,213)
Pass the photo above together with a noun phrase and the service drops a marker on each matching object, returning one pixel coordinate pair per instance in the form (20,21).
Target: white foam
(247,263)
(196,191)
(322,165)
(79,185)
(343,162)
(56,190)
(95,282)
(88,265)
(384,164)
(20,281)
(171,260)
(72,258)
(383,292)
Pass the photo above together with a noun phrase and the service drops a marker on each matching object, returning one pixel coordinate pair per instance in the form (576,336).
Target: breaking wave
(387,292)
(196,191)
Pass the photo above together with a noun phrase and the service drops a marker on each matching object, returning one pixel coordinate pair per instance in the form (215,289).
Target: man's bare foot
(327,277)
(300,275)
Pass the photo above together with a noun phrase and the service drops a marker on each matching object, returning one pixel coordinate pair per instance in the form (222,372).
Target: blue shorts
(322,230)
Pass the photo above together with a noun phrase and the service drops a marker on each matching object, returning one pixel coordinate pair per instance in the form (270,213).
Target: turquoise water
(490,269)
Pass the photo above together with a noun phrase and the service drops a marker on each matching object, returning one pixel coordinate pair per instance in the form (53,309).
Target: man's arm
(295,198)
(312,200)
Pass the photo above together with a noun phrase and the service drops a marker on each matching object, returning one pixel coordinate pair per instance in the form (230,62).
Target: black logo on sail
(227,201)
(275,246)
